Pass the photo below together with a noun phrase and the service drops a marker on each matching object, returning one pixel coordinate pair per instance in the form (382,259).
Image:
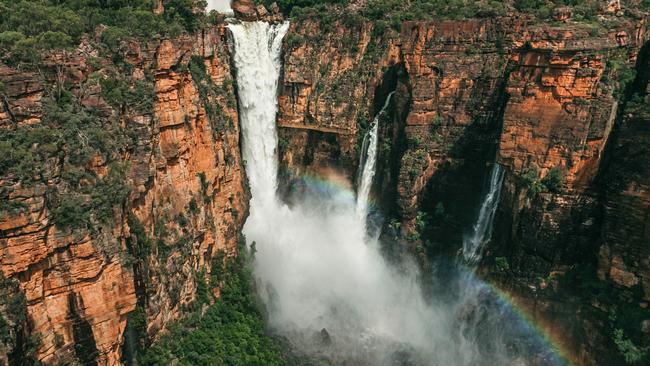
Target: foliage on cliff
(28,27)
(229,332)
(397,11)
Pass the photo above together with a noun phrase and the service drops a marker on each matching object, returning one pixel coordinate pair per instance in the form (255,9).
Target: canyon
(544,101)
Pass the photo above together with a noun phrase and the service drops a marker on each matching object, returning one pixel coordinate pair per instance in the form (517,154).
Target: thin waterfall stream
(328,291)
(482,229)
(368,162)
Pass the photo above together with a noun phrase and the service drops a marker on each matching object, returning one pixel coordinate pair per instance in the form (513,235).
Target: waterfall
(257,58)
(368,162)
(473,244)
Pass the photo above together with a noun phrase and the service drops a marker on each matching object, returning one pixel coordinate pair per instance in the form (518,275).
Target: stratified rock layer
(186,181)
(540,99)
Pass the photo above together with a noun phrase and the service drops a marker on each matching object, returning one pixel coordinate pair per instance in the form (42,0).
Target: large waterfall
(328,291)
(368,163)
(257,58)
(473,244)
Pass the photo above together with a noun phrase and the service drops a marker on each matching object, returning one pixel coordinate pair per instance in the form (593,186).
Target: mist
(222,6)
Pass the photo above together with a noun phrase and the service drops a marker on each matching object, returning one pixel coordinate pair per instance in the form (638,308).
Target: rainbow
(328,183)
(548,338)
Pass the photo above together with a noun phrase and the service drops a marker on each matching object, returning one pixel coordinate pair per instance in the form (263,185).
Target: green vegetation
(630,351)
(501,263)
(619,321)
(623,317)
(13,321)
(623,71)
(138,242)
(644,5)
(394,12)
(29,27)
(70,135)
(210,93)
(229,332)
(287,5)
(552,182)
(582,9)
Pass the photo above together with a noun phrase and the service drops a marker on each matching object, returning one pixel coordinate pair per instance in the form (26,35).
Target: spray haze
(327,288)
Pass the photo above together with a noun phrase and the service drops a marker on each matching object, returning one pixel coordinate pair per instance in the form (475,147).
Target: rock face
(541,100)
(624,251)
(187,203)
(327,89)
(248,11)
(245,9)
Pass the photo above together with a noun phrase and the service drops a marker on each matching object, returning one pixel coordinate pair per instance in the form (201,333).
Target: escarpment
(548,102)
(135,228)
(124,183)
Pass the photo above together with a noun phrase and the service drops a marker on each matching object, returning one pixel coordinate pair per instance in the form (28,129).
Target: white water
(315,268)
(327,289)
(473,244)
(257,58)
(368,163)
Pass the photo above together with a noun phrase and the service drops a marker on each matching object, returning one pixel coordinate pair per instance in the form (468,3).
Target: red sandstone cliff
(79,285)
(533,97)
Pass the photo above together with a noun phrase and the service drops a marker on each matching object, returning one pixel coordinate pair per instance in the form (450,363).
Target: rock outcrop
(248,11)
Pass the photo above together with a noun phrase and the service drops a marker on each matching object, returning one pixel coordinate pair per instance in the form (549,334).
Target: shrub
(630,351)
(501,264)
(553,180)
(530,177)
(71,212)
(288,5)
(230,332)
(294,40)
(47,24)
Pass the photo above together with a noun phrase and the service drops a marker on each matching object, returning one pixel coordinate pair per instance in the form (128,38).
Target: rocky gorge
(561,105)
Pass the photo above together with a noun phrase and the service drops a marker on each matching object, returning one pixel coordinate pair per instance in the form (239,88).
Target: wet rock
(261,11)
(324,337)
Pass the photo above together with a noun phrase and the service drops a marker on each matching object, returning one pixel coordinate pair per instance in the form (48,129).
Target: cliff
(182,184)
(543,100)
(123,185)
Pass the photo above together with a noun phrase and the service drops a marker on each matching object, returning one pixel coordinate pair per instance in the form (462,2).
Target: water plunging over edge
(368,162)
(482,230)
(258,46)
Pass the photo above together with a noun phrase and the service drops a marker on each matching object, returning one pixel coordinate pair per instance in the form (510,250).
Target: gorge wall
(546,101)
(68,291)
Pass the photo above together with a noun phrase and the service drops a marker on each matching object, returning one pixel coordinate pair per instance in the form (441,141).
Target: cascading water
(257,58)
(327,289)
(368,162)
(473,244)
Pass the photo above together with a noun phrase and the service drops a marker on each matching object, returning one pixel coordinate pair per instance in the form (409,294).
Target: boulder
(261,11)
(613,6)
(563,13)
(244,9)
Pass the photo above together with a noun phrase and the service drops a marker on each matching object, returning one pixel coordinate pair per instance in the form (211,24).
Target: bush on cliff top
(29,27)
